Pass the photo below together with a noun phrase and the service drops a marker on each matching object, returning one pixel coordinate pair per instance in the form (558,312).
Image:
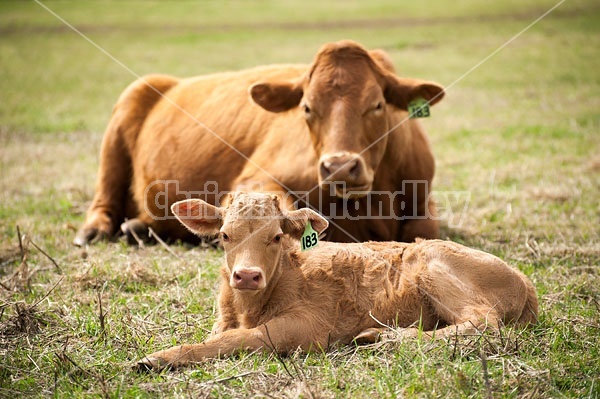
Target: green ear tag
(310,238)
(418,108)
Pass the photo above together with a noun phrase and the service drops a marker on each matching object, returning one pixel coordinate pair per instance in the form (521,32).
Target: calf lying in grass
(275,297)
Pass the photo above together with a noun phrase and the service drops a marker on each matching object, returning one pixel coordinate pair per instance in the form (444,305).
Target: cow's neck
(407,156)
(393,158)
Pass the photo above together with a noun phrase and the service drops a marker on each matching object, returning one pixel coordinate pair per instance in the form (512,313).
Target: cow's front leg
(281,335)
(425,226)
(136,231)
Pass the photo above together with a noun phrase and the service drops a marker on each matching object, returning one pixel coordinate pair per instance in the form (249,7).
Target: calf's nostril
(246,278)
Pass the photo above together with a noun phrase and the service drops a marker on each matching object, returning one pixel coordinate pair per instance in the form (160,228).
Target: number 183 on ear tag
(310,238)
(418,108)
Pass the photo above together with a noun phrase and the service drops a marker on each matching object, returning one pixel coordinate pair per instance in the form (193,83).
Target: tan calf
(276,297)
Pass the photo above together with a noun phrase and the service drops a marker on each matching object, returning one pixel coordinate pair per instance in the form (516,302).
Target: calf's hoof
(151,363)
(136,231)
(368,336)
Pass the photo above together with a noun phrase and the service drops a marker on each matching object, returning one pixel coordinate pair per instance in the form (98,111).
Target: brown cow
(275,297)
(342,119)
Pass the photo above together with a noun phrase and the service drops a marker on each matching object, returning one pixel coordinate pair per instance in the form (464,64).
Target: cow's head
(345,98)
(252,228)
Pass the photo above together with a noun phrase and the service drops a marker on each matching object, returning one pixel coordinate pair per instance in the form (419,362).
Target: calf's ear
(199,217)
(401,91)
(277,96)
(295,222)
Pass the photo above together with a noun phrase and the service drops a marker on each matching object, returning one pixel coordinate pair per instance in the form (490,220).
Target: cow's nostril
(341,168)
(325,169)
(256,278)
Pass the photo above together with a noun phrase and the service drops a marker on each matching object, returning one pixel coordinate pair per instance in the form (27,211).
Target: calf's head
(253,229)
(345,99)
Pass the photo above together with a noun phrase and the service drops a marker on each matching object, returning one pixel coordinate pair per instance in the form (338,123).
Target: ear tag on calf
(310,238)
(418,108)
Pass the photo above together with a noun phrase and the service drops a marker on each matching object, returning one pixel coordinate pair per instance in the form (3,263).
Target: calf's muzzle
(247,278)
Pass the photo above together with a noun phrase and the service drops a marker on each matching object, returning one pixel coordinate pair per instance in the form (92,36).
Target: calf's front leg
(279,335)
(226,343)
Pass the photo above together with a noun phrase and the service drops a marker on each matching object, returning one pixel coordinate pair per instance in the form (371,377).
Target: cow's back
(208,121)
(207,132)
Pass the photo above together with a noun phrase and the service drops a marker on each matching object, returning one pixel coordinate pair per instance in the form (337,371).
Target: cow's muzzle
(346,173)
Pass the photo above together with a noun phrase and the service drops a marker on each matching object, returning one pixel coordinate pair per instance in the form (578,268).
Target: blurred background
(524,121)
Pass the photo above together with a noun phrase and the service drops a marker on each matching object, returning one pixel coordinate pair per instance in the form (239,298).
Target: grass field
(520,133)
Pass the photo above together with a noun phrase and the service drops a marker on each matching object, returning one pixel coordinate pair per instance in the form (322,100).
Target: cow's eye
(225,237)
(375,109)
(277,238)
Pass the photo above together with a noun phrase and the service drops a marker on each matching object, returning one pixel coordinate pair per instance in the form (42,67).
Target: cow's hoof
(150,363)
(89,235)
(136,231)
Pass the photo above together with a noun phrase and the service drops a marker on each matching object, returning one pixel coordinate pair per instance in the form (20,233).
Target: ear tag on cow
(418,108)
(310,238)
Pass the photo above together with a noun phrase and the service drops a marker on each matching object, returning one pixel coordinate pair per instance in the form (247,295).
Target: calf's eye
(306,110)
(225,237)
(277,238)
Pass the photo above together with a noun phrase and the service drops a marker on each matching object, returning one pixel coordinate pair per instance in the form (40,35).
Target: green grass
(520,134)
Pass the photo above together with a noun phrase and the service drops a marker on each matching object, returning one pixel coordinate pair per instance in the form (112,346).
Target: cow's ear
(382,59)
(199,217)
(295,222)
(277,96)
(401,91)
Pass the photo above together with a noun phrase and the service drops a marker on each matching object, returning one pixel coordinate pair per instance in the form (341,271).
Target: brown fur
(260,112)
(339,292)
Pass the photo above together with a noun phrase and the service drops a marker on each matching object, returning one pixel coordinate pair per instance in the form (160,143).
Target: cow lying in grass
(340,124)
(276,297)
